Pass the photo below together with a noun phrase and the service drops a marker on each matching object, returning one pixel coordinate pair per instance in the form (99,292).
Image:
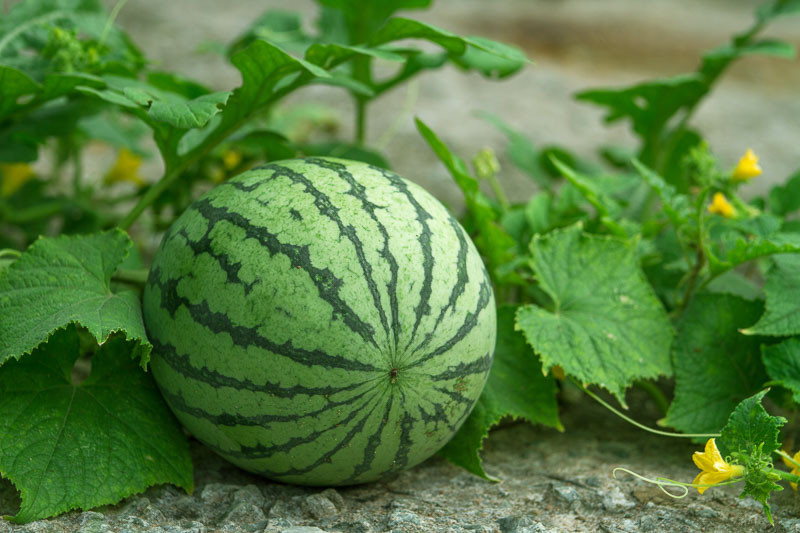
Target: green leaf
(784,199)
(606,325)
(782,287)
(14,85)
(490,58)
(398,28)
(516,387)
(782,362)
(751,435)
(715,366)
(454,164)
(189,114)
(68,445)
(495,245)
(677,206)
(648,105)
(327,55)
(744,244)
(608,209)
(64,280)
(777,8)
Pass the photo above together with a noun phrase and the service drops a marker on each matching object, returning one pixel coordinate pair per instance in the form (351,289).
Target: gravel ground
(551,481)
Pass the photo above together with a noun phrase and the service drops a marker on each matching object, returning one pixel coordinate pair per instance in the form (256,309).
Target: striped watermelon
(320,321)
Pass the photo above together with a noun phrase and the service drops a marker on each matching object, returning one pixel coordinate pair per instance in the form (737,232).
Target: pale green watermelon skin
(320,321)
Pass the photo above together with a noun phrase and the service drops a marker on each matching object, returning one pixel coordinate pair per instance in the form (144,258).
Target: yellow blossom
(721,206)
(793,466)
(747,168)
(15,175)
(126,168)
(231,159)
(714,469)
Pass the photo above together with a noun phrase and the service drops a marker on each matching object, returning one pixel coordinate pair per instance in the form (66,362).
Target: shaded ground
(551,482)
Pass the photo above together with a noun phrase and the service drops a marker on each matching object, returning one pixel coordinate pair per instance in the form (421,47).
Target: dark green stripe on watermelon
(320,321)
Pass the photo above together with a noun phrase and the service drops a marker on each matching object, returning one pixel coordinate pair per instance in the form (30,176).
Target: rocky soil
(551,482)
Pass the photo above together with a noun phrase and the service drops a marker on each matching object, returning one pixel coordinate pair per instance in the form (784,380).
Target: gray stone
(249,494)
(566,493)
(403,518)
(277,525)
(282,509)
(135,506)
(360,526)
(334,497)
(319,507)
(701,511)
(304,529)
(191,526)
(92,522)
(91,516)
(245,513)
(216,494)
(618,526)
(40,526)
(615,501)
(520,524)
(790,525)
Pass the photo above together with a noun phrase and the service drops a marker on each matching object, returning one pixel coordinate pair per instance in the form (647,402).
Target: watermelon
(320,321)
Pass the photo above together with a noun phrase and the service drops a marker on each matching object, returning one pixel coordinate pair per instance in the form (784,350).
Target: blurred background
(574,45)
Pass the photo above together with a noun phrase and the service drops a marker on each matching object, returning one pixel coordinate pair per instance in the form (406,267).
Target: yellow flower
(721,206)
(793,466)
(126,168)
(15,175)
(714,468)
(231,159)
(747,168)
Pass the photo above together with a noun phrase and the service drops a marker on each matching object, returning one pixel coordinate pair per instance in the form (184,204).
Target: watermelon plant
(312,316)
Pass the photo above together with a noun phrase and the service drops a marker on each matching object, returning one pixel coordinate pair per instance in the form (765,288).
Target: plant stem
(134,276)
(655,394)
(499,193)
(630,420)
(77,172)
(362,73)
(38,212)
(54,15)
(171,174)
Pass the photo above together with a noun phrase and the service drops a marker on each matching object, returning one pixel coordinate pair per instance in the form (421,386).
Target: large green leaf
(65,280)
(715,366)
(782,362)
(68,445)
(782,315)
(606,326)
(516,387)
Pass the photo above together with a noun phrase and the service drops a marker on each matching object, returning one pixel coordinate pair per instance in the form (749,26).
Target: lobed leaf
(516,387)
(68,445)
(64,280)
(715,366)
(782,287)
(782,362)
(606,325)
